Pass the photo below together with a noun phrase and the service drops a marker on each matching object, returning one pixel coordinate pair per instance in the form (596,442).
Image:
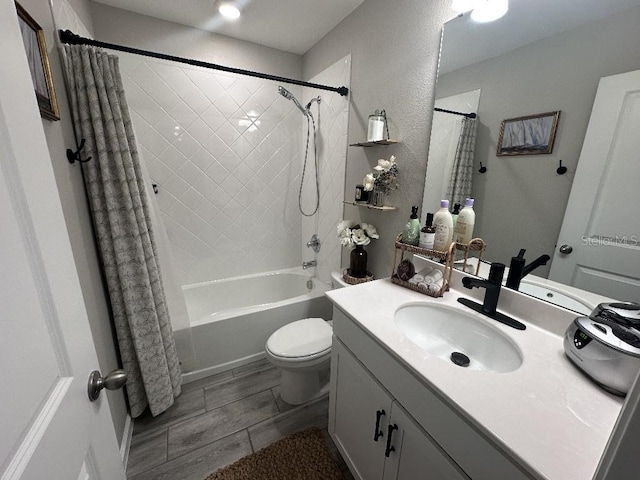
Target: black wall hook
(482,168)
(561,170)
(73,156)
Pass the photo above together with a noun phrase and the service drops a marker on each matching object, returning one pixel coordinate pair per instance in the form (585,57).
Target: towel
(435,287)
(425,271)
(433,277)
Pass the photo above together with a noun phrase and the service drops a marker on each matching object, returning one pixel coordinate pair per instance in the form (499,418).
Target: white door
(600,234)
(49,428)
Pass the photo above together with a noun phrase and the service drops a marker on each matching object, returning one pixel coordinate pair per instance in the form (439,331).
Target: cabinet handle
(390,448)
(378,433)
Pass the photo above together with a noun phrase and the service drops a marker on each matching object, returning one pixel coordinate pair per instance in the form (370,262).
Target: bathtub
(232,319)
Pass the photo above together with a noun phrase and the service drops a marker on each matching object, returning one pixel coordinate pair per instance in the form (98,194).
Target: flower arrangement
(384,176)
(350,233)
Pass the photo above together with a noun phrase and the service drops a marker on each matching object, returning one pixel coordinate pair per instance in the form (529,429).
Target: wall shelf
(373,144)
(384,208)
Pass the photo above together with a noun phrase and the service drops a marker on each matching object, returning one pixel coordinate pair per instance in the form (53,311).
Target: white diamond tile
(183,115)
(189,173)
(227,133)
(213,117)
(231,185)
(215,146)
(186,144)
(229,160)
(179,212)
(168,128)
(158,171)
(244,197)
(200,131)
(217,173)
(227,105)
(172,158)
(241,147)
(226,79)
(203,159)
(206,82)
(176,186)
(239,92)
(154,142)
(196,100)
(204,185)
(165,199)
(243,173)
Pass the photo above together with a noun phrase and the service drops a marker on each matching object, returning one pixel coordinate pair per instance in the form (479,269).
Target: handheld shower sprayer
(289,96)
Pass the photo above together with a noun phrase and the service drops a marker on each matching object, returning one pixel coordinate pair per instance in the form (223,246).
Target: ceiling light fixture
(229,11)
(489,10)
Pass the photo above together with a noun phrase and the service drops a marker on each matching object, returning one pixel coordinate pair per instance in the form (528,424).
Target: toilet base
(299,387)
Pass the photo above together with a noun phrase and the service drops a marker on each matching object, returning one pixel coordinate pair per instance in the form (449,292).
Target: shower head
(289,96)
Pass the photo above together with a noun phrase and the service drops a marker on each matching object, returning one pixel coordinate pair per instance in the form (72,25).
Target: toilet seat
(302,340)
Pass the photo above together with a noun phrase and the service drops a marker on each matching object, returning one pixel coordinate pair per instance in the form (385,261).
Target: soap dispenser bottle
(466,222)
(428,233)
(411,232)
(443,222)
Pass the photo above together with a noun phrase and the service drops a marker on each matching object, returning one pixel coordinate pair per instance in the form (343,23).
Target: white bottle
(443,222)
(466,222)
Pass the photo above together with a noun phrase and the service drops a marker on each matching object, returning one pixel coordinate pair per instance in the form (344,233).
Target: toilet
(302,351)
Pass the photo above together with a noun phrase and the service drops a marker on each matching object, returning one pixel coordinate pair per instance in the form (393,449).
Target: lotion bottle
(411,232)
(466,222)
(443,222)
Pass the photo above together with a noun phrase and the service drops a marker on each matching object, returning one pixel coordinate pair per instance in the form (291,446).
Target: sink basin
(556,297)
(442,330)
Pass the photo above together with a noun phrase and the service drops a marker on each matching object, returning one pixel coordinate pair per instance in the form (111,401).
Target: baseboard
(125,443)
(206,372)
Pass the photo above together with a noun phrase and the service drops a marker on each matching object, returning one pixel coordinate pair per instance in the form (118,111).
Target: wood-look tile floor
(218,420)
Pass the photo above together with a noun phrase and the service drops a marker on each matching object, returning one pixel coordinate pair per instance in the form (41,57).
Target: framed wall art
(36,48)
(530,135)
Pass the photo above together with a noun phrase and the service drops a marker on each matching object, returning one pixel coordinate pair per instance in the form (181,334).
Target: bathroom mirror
(540,57)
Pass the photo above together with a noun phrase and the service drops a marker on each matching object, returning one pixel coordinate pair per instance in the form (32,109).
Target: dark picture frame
(529,135)
(36,48)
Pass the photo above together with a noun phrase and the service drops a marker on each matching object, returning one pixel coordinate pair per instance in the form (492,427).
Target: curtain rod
(70,38)
(468,115)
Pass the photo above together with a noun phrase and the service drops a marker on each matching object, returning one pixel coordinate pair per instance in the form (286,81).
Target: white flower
(344,225)
(368,182)
(346,241)
(382,165)
(360,238)
(370,230)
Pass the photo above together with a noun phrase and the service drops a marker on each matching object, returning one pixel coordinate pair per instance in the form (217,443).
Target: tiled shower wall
(224,151)
(332,121)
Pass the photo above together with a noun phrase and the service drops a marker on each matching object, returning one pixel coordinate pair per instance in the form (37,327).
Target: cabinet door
(358,402)
(413,455)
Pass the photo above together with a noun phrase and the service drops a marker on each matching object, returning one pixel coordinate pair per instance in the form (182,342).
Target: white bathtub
(232,319)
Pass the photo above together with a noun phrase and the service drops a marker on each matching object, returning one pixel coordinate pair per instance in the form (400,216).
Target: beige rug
(301,456)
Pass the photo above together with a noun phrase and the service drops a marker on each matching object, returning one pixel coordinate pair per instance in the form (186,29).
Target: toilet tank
(336,279)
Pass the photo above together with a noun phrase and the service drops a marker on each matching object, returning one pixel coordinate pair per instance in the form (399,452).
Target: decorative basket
(355,280)
(444,257)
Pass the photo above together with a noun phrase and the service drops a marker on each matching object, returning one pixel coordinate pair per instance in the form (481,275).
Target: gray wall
(74,204)
(127,28)
(524,193)
(394,47)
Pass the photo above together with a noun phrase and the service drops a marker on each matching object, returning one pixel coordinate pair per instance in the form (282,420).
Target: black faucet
(492,286)
(518,270)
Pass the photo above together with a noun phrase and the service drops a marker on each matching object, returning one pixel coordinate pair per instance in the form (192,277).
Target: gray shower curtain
(123,229)
(462,172)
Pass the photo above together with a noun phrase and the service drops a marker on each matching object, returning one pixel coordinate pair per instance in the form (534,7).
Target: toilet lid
(302,338)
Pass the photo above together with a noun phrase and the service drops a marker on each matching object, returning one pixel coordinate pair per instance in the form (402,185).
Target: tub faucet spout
(312,263)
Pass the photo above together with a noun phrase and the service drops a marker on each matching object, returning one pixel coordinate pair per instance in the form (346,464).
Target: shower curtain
(462,172)
(122,222)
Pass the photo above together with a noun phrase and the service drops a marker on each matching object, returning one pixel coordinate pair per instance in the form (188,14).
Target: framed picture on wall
(36,48)
(530,135)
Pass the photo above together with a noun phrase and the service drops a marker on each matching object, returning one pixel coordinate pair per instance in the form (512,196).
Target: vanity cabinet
(375,434)
(373,392)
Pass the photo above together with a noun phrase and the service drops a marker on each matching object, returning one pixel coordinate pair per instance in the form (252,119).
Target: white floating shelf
(384,208)
(373,144)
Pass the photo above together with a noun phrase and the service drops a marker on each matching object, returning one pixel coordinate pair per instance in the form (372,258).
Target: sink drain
(460,359)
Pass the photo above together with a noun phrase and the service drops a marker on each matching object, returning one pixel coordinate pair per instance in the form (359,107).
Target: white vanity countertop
(547,413)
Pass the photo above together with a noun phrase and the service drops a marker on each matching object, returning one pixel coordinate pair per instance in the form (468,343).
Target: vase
(358,262)
(377,197)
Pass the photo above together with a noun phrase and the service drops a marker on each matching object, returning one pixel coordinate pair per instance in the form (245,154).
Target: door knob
(566,249)
(112,381)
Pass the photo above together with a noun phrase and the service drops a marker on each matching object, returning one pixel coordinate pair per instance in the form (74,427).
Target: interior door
(50,429)
(598,248)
